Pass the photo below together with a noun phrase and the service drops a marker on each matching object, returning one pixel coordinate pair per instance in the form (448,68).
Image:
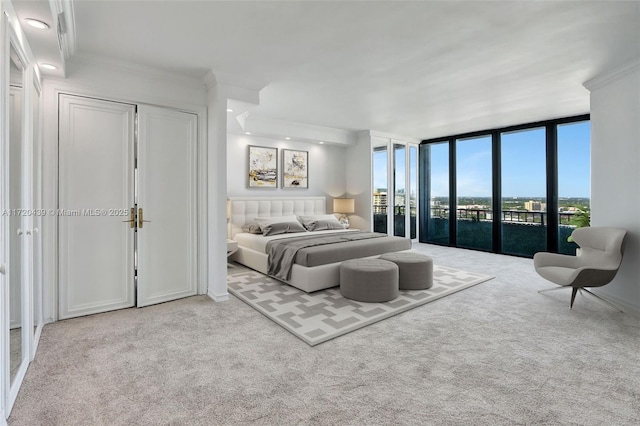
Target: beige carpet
(323,315)
(497,353)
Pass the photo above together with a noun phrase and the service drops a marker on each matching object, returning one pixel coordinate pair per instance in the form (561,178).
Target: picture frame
(263,167)
(295,169)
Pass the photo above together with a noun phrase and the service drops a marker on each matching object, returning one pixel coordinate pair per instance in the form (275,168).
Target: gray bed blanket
(282,253)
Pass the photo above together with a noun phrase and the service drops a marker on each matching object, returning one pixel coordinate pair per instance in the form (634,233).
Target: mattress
(258,242)
(330,253)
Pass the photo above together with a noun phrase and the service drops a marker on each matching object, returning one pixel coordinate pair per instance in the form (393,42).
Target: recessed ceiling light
(37,24)
(288,138)
(48,66)
(321,143)
(247,133)
(229,110)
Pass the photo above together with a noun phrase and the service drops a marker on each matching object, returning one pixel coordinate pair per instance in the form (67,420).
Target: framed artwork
(295,169)
(263,167)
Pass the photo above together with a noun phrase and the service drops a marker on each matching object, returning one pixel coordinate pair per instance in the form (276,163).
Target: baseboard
(628,307)
(218,297)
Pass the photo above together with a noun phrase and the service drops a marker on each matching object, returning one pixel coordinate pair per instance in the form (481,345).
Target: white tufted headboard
(245,209)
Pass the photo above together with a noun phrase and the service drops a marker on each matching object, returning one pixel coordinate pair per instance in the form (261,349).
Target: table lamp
(344,206)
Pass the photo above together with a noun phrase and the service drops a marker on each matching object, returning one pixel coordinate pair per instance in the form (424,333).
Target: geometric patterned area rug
(323,315)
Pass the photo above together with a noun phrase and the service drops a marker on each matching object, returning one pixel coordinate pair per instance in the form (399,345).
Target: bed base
(306,278)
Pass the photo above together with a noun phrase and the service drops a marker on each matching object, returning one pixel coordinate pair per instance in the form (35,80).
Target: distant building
(569,209)
(380,202)
(535,206)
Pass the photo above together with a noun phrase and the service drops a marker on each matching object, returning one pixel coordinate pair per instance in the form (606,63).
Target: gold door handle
(132,218)
(140,218)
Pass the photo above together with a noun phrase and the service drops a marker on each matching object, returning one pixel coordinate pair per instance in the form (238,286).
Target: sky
(523,164)
(380,167)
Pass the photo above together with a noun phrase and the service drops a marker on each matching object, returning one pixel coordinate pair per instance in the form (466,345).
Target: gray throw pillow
(252,228)
(282,228)
(322,225)
(320,222)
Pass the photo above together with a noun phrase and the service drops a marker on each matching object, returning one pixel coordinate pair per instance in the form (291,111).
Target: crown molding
(302,132)
(236,80)
(130,67)
(17,34)
(68,39)
(607,78)
(238,87)
(385,135)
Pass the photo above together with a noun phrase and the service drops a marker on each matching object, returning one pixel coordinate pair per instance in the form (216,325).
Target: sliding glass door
(395,187)
(380,185)
(413,192)
(399,189)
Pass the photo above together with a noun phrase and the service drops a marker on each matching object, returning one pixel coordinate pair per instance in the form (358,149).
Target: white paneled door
(104,176)
(96,173)
(167,244)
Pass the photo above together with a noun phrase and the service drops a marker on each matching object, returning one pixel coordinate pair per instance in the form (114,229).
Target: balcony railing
(524,232)
(520,216)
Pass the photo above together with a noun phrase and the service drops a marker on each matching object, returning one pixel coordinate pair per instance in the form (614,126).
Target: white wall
(615,171)
(359,184)
(327,169)
(114,82)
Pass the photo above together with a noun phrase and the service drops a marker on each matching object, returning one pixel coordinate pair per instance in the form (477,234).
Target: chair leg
(602,299)
(573,296)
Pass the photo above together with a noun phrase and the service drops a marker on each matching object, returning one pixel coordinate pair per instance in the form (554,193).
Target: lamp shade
(343,205)
(228,209)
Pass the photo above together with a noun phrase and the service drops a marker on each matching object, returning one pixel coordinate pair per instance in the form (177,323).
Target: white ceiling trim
(609,77)
(281,129)
(68,38)
(129,67)
(237,87)
(385,135)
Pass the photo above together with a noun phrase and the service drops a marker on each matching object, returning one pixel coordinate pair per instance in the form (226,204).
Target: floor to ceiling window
(413,191)
(474,199)
(435,193)
(517,190)
(399,189)
(395,187)
(380,182)
(574,182)
(524,191)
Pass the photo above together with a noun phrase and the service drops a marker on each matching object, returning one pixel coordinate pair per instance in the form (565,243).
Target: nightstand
(232,247)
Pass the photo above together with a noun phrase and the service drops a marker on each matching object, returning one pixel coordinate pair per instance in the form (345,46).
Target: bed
(315,267)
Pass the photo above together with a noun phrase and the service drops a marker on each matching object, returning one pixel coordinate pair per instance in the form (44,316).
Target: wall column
(221,89)
(217,192)
(615,171)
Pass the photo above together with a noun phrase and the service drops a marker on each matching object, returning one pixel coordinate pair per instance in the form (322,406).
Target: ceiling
(417,69)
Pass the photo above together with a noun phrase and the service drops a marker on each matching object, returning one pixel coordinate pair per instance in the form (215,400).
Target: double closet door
(127,213)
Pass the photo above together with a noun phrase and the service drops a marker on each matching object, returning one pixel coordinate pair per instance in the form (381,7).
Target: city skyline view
(523,165)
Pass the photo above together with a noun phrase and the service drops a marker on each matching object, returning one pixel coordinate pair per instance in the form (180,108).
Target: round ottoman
(416,270)
(369,280)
